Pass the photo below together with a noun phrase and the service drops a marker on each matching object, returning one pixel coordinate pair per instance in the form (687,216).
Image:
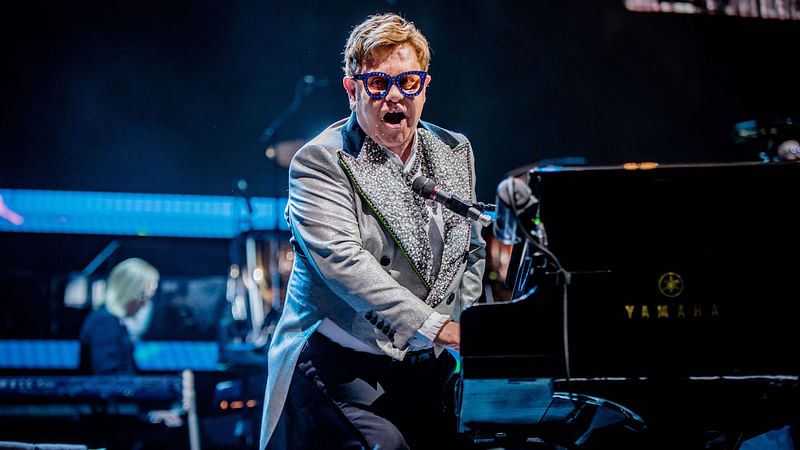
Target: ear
(427,80)
(349,86)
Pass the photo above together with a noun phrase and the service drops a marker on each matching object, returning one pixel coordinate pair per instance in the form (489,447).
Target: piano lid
(684,270)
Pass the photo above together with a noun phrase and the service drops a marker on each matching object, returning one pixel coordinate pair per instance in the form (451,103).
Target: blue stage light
(138,214)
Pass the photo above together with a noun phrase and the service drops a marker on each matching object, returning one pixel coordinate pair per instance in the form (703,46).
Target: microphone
(427,188)
(513,195)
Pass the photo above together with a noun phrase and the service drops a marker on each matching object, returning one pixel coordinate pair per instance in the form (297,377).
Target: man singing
(380,274)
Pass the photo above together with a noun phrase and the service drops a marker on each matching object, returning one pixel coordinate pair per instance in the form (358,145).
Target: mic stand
(483,207)
(304,87)
(237,340)
(77,289)
(538,266)
(255,301)
(542,258)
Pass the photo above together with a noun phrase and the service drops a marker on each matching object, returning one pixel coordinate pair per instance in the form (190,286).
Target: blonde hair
(383,31)
(129,280)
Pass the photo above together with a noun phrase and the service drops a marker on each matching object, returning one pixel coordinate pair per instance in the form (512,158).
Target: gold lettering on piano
(672,312)
(629,309)
(670,285)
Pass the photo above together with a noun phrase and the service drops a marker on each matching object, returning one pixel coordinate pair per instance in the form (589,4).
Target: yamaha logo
(670,285)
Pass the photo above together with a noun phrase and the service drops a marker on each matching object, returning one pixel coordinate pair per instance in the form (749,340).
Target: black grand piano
(653,306)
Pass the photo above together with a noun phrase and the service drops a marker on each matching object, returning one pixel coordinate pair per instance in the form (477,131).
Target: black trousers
(343,399)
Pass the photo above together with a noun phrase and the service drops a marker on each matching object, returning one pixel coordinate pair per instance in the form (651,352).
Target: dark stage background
(171,96)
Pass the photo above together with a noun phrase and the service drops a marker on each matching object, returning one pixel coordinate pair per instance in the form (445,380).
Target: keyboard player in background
(380,275)
(106,346)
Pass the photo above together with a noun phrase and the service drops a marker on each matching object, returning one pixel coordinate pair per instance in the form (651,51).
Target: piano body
(671,322)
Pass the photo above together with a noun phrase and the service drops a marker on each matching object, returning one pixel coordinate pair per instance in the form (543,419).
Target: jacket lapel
(453,173)
(380,182)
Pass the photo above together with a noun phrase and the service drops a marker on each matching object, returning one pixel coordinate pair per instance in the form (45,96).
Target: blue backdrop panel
(150,355)
(137,214)
(39,354)
(176,355)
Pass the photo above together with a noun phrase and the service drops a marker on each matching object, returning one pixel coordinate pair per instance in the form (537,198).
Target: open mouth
(394,117)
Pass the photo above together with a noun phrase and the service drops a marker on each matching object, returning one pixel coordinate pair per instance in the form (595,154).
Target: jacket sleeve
(322,213)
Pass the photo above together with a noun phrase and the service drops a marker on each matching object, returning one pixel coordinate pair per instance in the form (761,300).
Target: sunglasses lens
(410,83)
(377,84)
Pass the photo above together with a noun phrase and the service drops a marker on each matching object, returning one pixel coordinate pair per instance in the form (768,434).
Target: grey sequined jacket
(362,259)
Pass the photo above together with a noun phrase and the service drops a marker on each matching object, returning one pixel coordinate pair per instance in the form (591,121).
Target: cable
(559,269)
(566,338)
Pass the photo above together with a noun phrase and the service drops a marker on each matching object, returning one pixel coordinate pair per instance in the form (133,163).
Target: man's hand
(449,336)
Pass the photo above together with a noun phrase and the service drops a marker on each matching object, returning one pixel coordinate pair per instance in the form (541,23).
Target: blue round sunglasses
(378,84)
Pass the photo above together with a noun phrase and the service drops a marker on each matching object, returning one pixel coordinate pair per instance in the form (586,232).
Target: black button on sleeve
(385,260)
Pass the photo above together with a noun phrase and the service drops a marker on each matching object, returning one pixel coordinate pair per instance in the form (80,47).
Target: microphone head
(513,195)
(423,186)
(789,150)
